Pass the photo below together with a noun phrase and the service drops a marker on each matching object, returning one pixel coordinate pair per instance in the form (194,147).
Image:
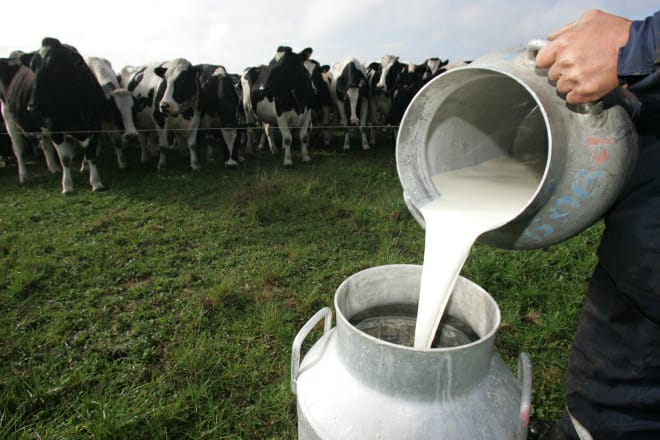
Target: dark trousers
(613,374)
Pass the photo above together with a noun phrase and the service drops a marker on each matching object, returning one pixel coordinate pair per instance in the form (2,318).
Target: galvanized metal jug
(351,385)
(502,105)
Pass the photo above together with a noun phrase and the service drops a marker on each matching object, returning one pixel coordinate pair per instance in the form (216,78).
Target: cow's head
(390,71)
(351,87)
(181,84)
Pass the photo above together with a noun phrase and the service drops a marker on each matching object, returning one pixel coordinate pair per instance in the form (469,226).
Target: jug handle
(595,108)
(324,313)
(525,379)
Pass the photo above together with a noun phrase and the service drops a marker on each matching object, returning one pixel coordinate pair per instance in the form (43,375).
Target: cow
(411,78)
(166,104)
(350,92)
(219,105)
(57,100)
(119,116)
(322,102)
(281,94)
(384,78)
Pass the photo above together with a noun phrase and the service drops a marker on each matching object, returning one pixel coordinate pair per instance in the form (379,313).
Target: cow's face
(388,73)
(181,87)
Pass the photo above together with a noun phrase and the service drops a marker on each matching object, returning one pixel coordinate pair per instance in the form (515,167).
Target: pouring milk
(472,201)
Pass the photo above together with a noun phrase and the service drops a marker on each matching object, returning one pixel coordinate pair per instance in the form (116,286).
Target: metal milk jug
(502,105)
(354,385)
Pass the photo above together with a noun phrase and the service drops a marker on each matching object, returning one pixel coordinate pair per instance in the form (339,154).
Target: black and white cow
(166,104)
(384,79)
(350,92)
(119,121)
(280,94)
(220,109)
(411,78)
(322,103)
(57,99)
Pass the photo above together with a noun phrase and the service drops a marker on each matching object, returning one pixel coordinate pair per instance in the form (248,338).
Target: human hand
(582,56)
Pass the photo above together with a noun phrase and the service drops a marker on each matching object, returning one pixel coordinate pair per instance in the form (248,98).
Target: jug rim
(486,338)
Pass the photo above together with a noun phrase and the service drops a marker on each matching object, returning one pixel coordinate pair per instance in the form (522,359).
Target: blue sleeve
(638,68)
(640,56)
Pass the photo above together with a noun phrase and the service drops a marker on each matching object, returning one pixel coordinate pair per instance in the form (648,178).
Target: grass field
(165,307)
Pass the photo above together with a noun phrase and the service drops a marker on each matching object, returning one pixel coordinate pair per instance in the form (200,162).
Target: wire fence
(243,127)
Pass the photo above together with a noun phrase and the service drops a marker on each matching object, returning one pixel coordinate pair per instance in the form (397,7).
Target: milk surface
(472,201)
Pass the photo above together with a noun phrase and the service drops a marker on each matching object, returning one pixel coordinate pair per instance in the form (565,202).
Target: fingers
(554,73)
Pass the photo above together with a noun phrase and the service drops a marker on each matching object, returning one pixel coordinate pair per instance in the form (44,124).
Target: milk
(472,201)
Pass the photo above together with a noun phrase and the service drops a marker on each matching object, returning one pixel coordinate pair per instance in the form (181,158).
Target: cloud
(242,34)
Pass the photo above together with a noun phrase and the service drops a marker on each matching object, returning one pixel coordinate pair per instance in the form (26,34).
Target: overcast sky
(240,33)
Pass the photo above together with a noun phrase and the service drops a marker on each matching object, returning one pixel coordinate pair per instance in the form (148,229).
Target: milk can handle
(326,313)
(525,379)
(533,48)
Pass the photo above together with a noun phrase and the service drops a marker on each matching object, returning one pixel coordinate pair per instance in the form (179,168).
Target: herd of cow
(54,97)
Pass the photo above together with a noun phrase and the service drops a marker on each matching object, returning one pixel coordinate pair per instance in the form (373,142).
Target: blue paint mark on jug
(584,182)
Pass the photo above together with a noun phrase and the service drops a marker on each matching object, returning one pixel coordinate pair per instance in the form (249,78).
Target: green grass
(165,308)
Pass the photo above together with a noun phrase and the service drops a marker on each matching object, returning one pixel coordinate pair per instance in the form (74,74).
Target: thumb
(546,56)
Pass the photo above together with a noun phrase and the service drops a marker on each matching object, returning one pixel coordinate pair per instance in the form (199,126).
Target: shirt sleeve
(640,56)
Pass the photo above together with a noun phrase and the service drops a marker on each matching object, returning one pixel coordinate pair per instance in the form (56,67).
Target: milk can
(502,105)
(357,381)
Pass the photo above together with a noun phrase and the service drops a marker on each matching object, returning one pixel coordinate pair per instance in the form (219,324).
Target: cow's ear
(160,71)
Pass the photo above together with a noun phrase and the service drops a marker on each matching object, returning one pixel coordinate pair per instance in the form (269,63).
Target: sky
(240,34)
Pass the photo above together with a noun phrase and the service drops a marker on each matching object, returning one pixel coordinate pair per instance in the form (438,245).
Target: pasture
(165,307)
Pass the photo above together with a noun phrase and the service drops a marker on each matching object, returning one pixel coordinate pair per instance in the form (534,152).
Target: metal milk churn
(501,105)
(357,381)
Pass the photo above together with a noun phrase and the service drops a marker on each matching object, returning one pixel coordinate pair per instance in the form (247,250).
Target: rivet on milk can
(363,380)
(502,105)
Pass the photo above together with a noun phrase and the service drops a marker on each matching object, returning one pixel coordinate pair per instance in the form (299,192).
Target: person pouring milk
(613,373)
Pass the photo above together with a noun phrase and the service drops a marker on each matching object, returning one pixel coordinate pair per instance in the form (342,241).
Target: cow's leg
(373,116)
(344,123)
(304,136)
(283,124)
(46,145)
(249,141)
(67,154)
(17,143)
(209,140)
(191,142)
(163,146)
(194,158)
(229,136)
(91,154)
(145,155)
(120,143)
(269,132)
(363,119)
(325,121)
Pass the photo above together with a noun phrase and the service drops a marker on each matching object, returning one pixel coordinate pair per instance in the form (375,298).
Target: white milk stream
(472,201)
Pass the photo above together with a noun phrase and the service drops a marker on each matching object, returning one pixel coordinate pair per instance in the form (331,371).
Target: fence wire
(213,129)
